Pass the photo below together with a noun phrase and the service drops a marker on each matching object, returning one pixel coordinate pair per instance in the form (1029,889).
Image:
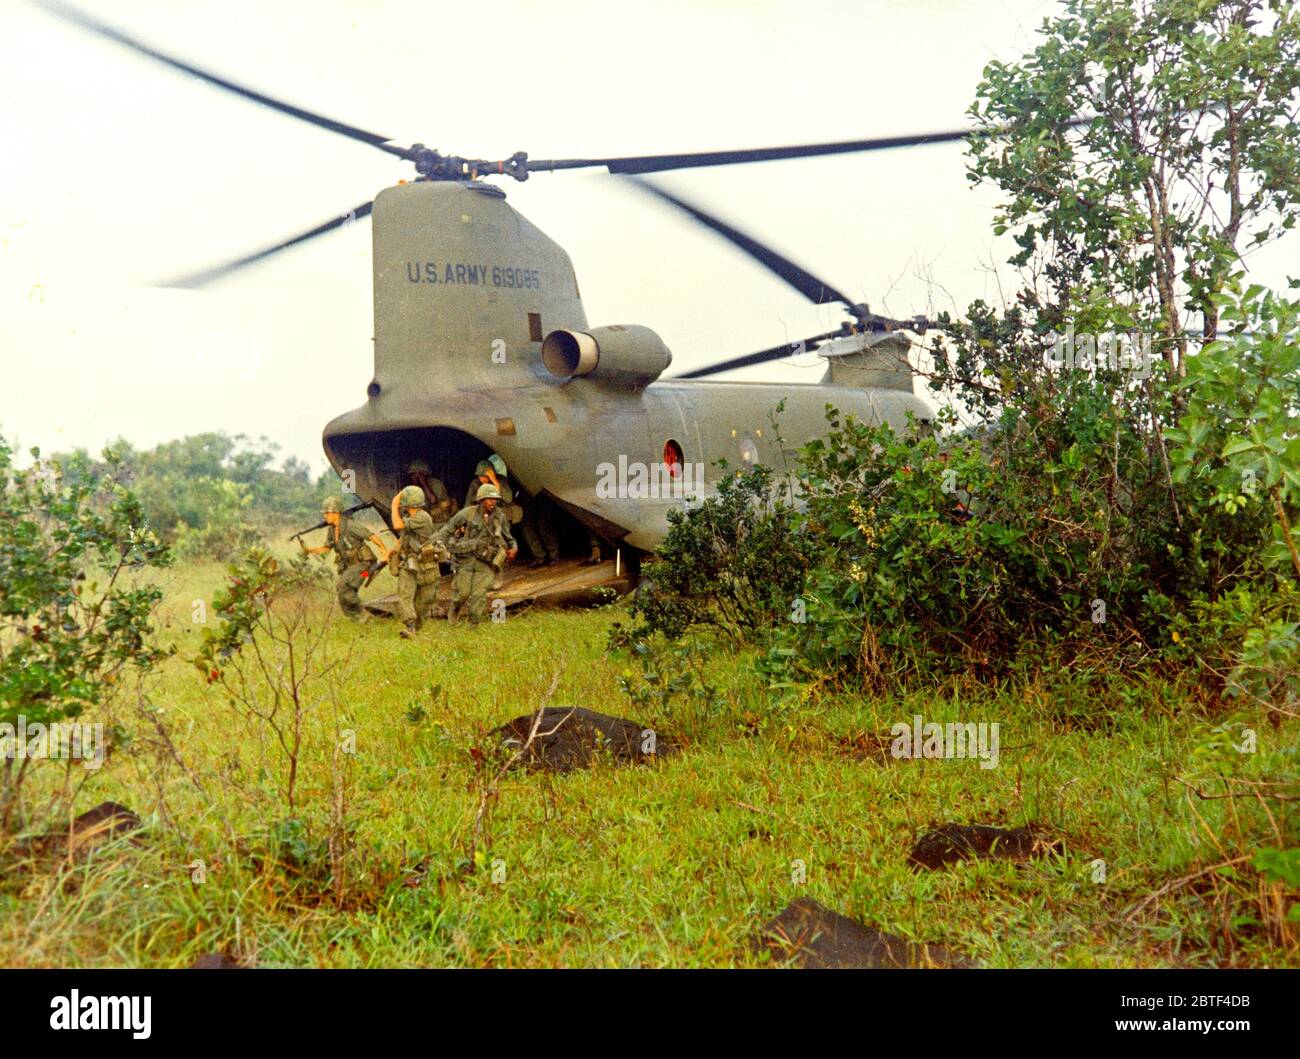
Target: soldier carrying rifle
(350,544)
(415,560)
(480,541)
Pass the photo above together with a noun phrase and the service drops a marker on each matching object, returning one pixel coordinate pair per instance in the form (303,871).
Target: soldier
(352,554)
(537,527)
(593,542)
(438,501)
(492,471)
(416,560)
(479,539)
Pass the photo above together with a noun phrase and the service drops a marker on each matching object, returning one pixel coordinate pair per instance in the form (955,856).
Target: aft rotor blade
(788,349)
(811,287)
(79,18)
(198,279)
(660,163)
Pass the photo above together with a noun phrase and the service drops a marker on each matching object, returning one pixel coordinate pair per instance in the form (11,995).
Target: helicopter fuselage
(466,292)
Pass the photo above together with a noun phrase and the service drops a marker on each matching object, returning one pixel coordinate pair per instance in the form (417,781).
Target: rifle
(322,524)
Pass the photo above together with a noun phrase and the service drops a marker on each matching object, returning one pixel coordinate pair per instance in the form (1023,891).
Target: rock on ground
(572,737)
(94,827)
(815,937)
(953,842)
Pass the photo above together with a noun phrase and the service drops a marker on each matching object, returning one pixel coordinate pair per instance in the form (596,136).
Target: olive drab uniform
(417,569)
(353,557)
(516,515)
(537,527)
(479,547)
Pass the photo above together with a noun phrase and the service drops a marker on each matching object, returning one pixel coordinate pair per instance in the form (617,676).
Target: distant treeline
(213,494)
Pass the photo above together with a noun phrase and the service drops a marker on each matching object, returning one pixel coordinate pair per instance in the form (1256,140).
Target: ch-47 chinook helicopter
(482,344)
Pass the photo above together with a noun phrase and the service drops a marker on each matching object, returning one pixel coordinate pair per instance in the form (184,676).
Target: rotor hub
(432,164)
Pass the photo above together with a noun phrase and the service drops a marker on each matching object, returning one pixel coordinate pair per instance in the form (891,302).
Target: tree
(213,495)
(1143,144)
(1241,429)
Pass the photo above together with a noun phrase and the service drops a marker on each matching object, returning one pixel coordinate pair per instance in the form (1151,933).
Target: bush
(74,611)
(733,562)
(1075,524)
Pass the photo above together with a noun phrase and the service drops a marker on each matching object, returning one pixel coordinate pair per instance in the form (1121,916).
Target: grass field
(675,864)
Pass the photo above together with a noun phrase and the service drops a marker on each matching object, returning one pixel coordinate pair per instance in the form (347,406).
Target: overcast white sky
(118,173)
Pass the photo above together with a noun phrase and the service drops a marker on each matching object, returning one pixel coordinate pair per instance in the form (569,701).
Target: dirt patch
(953,842)
(94,827)
(812,936)
(869,746)
(571,738)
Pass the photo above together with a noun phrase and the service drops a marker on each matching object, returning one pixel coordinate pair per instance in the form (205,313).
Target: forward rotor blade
(660,163)
(198,279)
(78,18)
(789,349)
(811,287)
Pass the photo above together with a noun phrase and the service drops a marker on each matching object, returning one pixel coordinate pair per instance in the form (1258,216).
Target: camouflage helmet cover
(418,467)
(333,505)
(412,496)
(487,491)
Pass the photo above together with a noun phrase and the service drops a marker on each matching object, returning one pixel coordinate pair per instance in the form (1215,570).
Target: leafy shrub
(75,614)
(733,562)
(1077,523)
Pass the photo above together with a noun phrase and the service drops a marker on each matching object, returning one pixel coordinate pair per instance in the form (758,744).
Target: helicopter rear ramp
(567,583)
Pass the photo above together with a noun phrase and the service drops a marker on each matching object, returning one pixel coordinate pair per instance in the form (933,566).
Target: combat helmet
(333,505)
(411,496)
(487,491)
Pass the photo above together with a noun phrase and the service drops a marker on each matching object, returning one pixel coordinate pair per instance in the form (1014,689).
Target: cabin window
(673,458)
(748,451)
(535,327)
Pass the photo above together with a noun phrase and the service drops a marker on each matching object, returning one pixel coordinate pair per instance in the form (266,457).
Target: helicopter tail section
(465,290)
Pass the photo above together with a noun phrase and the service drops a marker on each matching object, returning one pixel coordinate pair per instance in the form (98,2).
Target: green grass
(671,865)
